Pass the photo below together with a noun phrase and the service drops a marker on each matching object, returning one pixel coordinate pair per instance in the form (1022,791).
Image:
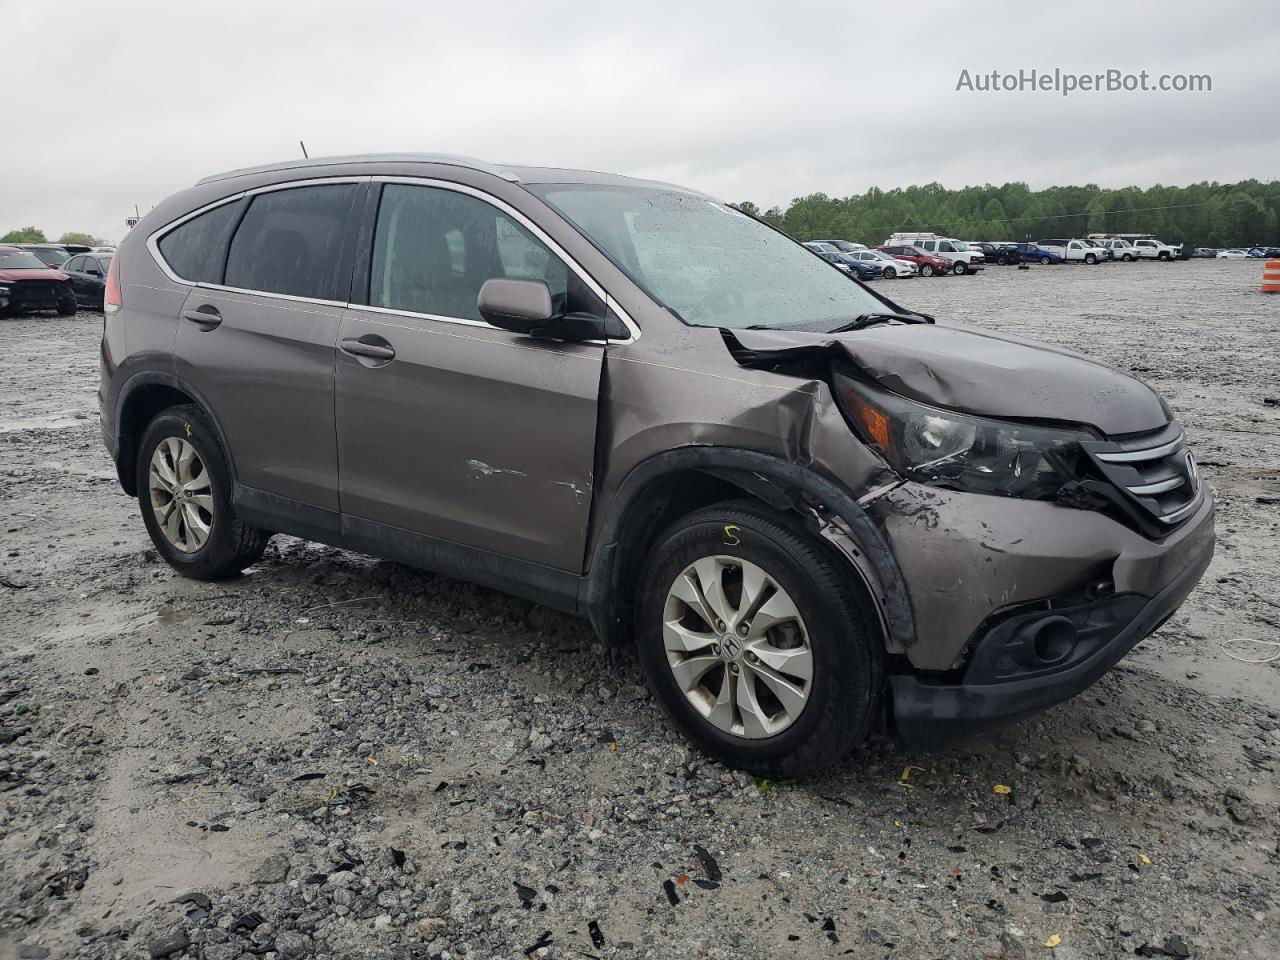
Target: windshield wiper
(864,320)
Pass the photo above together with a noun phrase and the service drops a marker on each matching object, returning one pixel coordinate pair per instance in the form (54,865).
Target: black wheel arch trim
(125,449)
(605,600)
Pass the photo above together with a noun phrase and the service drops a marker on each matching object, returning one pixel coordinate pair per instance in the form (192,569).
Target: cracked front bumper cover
(929,716)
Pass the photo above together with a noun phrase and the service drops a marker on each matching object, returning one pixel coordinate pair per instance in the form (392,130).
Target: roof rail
(307,163)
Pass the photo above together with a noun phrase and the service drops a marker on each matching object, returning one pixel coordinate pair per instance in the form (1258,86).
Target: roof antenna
(305,156)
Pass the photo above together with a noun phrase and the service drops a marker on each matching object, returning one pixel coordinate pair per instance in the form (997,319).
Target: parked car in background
(946,527)
(1120,248)
(1152,249)
(928,264)
(1004,254)
(956,252)
(1257,251)
(892,266)
(28,284)
(1034,253)
(88,273)
(846,246)
(829,252)
(1204,253)
(52,254)
(1232,255)
(1074,251)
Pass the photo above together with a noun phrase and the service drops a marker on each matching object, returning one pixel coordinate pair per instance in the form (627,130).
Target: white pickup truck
(1155,250)
(1075,251)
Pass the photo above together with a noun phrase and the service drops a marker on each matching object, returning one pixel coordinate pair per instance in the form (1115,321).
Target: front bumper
(1002,684)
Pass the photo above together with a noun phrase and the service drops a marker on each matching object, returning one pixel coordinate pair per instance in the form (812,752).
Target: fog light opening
(1053,639)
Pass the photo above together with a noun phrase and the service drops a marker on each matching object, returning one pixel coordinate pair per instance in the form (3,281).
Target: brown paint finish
(531,463)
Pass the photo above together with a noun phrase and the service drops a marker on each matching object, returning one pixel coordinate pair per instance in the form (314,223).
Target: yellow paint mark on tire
(731,538)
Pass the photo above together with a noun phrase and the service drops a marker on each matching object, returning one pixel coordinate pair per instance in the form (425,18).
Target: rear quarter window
(290,241)
(195,249)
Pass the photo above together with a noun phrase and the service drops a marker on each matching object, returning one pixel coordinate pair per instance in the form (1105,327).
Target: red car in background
(928,264)
(27,283)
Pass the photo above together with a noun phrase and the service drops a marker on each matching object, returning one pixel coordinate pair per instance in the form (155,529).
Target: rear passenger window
(290,242)
(194,250)
(433,249)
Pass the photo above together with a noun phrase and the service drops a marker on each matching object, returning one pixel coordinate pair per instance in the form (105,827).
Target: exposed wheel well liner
(669,485)
(144,396)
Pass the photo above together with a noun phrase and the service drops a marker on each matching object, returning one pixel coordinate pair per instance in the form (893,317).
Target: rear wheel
(184,489)
(756,643)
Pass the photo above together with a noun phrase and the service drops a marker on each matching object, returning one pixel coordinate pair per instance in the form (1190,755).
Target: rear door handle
(205,316)
(369,347)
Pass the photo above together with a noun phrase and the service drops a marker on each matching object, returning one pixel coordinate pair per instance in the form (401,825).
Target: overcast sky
(117,103)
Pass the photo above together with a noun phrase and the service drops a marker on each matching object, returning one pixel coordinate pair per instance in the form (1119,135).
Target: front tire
(757,643)
(1090,258)
(959,268)
(68,305)
(926,270)
(889,273)
(1045,261)
(184,490)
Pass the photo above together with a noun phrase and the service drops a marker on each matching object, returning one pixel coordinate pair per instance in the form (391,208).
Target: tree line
(1199,215)
(36,235)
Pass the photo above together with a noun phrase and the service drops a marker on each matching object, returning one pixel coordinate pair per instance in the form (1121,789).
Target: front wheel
(1127,258)
(926,270)
(959,268)
(1090,258)
(184,489)
(1046,261)
(67,305)
(756,643)
(889,273)
(1164,255)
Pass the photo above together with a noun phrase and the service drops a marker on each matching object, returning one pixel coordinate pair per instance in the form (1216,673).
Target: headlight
(961,452)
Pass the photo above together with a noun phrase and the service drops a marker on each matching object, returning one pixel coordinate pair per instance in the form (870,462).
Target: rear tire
(200,535)
(718,690)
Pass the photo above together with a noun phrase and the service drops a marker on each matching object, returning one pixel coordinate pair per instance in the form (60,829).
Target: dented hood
(975,371)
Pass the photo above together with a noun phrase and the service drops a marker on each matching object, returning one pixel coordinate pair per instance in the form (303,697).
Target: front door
(451,429)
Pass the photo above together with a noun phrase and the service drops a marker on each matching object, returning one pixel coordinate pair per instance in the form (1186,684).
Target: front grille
(1155,471)
(33,294)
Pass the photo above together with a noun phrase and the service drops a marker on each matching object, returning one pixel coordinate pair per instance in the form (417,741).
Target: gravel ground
(337,757)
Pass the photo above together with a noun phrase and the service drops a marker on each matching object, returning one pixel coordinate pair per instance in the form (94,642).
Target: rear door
(256,338)
(448,428)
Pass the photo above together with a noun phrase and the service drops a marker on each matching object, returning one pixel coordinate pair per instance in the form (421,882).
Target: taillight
(111,300)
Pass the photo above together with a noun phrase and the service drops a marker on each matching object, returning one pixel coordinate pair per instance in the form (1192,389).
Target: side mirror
(523,306)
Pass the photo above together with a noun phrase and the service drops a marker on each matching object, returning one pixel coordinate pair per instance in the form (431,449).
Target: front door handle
(205,316)
(369,347)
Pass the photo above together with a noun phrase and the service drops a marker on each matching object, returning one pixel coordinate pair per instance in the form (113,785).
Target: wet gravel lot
(338,757)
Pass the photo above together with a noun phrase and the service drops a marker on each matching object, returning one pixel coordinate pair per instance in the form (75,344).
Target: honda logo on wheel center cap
(730,647)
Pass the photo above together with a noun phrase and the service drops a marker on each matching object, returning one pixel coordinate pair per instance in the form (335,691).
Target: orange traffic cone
(1271,277)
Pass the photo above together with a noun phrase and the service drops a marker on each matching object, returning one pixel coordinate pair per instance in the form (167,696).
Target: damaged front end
(1047,514)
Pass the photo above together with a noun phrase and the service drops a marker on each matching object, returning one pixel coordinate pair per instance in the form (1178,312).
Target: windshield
(709,264)
(20,260)
(846,247)
(53,257)
(959,246)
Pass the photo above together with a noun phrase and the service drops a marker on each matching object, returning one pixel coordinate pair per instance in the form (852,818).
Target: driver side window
(434,248)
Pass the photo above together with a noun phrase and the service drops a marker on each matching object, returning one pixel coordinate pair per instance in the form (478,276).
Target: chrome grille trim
(1137,456)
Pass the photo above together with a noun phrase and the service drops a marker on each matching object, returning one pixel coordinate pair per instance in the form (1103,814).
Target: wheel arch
(669,485)
(146,394)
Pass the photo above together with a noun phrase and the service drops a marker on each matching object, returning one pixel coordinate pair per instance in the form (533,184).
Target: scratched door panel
(470,434)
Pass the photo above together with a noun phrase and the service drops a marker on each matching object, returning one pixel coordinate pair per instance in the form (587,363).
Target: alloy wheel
(737,646)
(181,495)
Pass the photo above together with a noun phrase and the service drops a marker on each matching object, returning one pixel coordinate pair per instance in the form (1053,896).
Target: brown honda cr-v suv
(810,509)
